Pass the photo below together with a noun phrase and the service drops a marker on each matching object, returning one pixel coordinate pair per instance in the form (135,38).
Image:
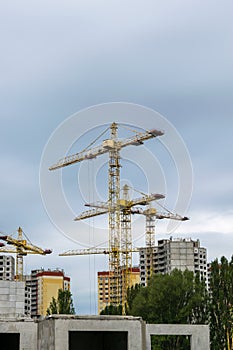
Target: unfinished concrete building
(15,296)
(12,299)
(71,332)
(170,254)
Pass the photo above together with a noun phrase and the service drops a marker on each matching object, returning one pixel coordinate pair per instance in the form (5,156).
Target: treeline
(182,298)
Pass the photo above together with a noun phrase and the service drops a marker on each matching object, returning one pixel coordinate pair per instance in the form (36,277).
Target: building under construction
(170,254)
(167,255)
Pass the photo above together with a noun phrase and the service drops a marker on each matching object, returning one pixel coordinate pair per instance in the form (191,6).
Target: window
(98,340)
(11,340)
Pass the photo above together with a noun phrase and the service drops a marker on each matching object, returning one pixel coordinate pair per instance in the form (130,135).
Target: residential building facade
(172,254)
(44,286)
(103,286)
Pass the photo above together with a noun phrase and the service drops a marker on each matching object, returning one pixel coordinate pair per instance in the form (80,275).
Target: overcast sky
(60,57)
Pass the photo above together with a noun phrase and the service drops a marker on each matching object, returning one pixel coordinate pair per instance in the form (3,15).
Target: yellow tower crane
(21,248)
(151,215)
(112,146)
(125,250)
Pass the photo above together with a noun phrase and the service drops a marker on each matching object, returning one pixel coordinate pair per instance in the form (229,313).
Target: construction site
(65,332)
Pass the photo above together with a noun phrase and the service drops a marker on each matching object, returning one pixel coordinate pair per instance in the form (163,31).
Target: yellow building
(103,286)
(48,284)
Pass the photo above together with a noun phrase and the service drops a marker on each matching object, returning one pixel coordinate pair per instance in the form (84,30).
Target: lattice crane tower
(111,146)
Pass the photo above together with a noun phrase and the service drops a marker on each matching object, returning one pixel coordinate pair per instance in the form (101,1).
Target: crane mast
(126,242)
(114,217)
(19,256)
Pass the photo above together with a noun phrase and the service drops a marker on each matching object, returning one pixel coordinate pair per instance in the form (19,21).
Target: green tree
(179,297)
(221,311)
(62,305)
(131,294)
(112,310)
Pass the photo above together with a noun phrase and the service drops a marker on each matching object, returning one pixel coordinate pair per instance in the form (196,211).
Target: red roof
(50,273)
(135,269)
(106,273)
(103,273)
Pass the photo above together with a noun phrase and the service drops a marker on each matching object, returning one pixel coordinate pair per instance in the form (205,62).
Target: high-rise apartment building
(103,286)
(45,285)
(172,254)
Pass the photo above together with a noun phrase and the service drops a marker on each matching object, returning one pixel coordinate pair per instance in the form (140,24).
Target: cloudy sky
(61,57)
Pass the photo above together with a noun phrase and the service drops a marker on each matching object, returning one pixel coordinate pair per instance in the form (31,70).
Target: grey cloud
(59,57)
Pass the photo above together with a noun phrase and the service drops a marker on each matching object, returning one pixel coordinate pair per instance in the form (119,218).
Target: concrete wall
(53,332)
(199,334)
(26,329)
(12,298)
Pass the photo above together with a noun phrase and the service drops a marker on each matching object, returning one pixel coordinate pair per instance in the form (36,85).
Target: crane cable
(128,128)
(97,138)
(93,236)
(159,204)
(89,234)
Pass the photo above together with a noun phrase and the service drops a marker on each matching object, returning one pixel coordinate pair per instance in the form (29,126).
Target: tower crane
(21,248)
(151,214)
(112,146)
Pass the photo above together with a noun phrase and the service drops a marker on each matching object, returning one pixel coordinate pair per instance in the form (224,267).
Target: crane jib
(106,146)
